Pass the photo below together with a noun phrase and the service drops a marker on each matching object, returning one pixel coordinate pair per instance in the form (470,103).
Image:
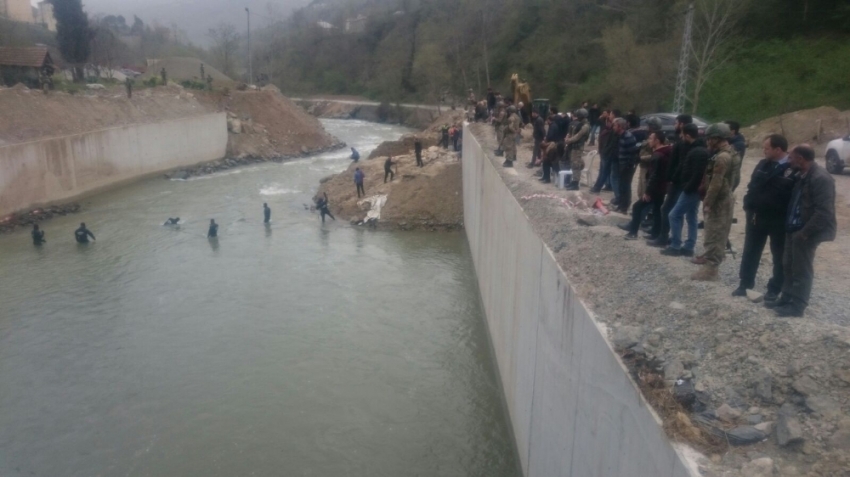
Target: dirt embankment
(426,198)
(815,126)
(267,124)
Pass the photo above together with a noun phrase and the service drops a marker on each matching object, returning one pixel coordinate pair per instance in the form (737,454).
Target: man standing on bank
(722,172)
(765,205)
(417,149)
(810,221)
(358,182)
(388,169)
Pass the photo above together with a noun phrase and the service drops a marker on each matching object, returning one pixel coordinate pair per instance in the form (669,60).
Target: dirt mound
(181,68)
(456,117)
(419,198)
(30,114)
(403,145)
(268,125)
(816,126)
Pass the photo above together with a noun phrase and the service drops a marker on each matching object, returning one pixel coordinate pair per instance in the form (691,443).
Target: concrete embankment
(573,407)
(61,168)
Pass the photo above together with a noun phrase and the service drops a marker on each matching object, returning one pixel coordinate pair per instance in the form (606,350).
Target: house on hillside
(356,24)
(44,15)
(17,10)
(25,65)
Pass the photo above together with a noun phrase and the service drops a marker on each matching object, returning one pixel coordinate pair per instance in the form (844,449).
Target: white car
(838,154)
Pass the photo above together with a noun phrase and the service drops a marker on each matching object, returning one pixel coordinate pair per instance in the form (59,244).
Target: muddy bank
(425,198)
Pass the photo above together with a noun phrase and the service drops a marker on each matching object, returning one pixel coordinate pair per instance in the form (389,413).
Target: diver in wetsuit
(82,234)
(267,213)
(213,231)
(172,221)
(322,205)
(37,235)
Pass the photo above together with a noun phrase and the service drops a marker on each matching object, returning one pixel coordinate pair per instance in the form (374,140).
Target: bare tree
(715,27)
(225,46)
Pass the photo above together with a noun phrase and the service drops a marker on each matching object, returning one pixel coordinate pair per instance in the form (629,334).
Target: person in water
(322,205)
(213,231)
(37,235)
(355,156)
(82,234)
(267,213)
(172,221)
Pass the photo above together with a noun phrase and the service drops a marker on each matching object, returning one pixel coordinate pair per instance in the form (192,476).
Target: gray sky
(195,17)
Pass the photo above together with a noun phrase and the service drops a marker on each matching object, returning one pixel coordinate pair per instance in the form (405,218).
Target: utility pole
(684,61)
(250,62)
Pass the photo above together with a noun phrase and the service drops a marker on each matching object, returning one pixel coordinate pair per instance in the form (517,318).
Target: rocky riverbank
(245,160)
(25,219)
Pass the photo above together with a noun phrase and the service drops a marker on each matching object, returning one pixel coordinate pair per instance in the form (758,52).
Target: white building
(356,24)
(45,15)
(17,10)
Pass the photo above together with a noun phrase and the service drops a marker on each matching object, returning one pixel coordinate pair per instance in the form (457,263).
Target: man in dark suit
(810,221)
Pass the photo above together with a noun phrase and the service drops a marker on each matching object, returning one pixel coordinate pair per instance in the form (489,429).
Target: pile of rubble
(26,219)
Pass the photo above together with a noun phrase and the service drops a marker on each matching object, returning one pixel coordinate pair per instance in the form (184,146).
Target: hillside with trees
(750,59)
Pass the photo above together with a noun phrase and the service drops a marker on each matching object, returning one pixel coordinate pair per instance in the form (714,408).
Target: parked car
(668,121)
(838,154)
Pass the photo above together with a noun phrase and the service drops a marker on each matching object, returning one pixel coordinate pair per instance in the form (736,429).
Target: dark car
(668,125)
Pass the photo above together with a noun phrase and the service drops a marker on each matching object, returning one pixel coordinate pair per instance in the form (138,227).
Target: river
(294,349)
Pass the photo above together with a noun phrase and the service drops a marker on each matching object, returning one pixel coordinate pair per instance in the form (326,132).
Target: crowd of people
(790,199)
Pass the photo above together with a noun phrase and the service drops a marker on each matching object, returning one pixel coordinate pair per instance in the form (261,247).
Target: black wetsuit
(213,232)
(38,237)
(82,235)
(388,170)
(171,221)
(322,205)
(417,148)
(267,215)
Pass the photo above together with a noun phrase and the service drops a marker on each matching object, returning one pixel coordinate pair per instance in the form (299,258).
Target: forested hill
(773,55)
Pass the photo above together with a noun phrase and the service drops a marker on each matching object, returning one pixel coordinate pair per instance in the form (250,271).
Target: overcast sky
(195,17)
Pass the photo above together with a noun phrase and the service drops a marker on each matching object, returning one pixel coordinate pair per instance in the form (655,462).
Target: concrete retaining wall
(56,169)
(573,407)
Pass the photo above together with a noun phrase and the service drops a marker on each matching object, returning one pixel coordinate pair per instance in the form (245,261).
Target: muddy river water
(295,349)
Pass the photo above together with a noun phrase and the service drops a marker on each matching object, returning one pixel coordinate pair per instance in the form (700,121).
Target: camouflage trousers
(508,145)
(576,160)
(718,223)
(500,136)
(643,173)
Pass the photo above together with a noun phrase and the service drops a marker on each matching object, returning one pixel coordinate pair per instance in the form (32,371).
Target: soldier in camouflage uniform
(722,172)
(511,129)
(499,120)
(653,124)
(579,133)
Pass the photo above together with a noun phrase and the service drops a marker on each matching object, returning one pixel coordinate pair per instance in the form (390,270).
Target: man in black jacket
(550,150)
(810,221)
(539,133)
(690,173)
(765,204)
(627,160)
(680,150)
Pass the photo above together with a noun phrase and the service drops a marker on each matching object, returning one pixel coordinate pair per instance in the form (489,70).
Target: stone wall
(573,407)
